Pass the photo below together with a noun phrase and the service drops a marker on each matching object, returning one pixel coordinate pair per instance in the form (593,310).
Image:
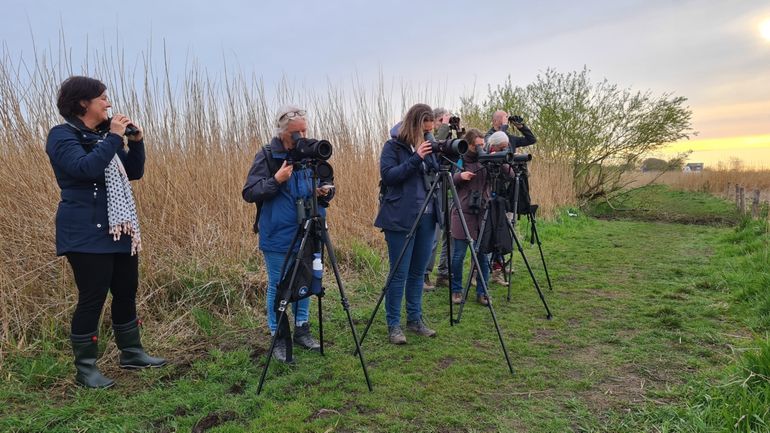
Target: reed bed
(202,132)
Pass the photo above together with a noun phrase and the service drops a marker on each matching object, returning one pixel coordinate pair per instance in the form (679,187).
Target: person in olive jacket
(405,163)
(97,227)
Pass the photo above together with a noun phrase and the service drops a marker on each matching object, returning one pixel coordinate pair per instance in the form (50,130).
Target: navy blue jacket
(403,172)
(78,157)
(278,219)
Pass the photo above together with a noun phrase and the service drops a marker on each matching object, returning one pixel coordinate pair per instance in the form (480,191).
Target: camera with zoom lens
(521,158)
(309,149)
(517,160)
(454,126)
(502,157)
(515,119)
(451,148)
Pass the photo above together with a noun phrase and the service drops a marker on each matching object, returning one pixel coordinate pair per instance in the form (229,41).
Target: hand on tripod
(467,175)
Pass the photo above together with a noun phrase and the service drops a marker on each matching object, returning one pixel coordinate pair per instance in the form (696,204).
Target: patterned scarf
(121,208)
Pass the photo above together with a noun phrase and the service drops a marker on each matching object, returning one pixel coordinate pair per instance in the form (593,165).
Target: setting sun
(764,29)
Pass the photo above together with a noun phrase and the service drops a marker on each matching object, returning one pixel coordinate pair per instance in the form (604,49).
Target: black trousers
(97,274)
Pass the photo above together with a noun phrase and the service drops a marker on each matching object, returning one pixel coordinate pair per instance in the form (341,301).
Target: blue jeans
(459,247)
(301,308)
(409,277)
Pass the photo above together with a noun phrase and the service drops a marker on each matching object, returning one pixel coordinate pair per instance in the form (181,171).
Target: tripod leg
(531,274)
(320,324)
(395,266)
(465,292)
(345,304)
(282,316)
(536,236)
(282,329)
(475,262)
(477,246)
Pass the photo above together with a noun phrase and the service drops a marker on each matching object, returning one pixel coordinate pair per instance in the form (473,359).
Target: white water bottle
(315,286)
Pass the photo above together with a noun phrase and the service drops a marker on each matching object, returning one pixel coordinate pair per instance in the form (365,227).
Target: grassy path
(638,314)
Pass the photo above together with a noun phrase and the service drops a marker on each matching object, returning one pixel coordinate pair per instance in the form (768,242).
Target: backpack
(497,237)
(272,167)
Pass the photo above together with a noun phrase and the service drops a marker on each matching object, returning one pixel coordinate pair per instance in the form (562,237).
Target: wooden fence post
(727,193)
(742,200)
(737,195)
(755,204)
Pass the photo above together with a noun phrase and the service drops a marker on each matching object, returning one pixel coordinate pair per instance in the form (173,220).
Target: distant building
(693,167)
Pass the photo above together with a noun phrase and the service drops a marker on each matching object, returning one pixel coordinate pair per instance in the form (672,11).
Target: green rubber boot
(86,350)
(132,354)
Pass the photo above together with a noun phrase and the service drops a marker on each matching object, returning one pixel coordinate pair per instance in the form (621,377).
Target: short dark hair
(75,89)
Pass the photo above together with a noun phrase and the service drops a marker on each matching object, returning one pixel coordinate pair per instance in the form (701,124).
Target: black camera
(309,148)
(515,119)
(451,148)
(454,125)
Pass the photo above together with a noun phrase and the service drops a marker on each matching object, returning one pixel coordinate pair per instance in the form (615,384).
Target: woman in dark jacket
(404,163)
(97,228)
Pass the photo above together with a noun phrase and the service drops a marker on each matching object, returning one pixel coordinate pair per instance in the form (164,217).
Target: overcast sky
(708,51)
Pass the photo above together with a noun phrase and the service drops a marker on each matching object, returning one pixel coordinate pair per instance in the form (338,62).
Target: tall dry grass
(714,181)
(201,133)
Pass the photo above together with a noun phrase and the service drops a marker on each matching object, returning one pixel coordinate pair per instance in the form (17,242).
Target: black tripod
(315,239)
(521,186)
(495,172)
(443,183)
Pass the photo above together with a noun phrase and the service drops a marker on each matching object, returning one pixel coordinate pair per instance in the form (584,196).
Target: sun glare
(764,29)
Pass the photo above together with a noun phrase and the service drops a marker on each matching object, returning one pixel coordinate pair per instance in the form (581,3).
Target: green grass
(661,203)
(656,327)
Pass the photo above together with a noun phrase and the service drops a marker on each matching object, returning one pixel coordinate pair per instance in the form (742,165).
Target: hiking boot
(85,349)
(499,278)
(396,335)
(279,351)
(482,299)
(457,297)
(132,354)
(303,338)
(442,281)
(419,328)
(427,285)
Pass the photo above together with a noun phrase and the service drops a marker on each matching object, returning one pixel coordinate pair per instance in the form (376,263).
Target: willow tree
(600,128)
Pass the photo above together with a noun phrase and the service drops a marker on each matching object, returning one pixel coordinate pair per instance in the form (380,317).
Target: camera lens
(325,171)
(324,150)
